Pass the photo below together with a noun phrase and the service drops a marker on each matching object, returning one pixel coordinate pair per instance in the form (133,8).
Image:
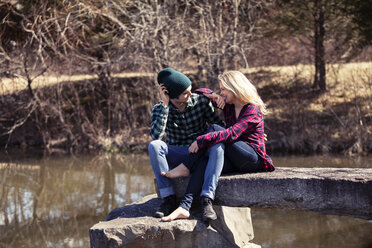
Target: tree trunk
(319,32)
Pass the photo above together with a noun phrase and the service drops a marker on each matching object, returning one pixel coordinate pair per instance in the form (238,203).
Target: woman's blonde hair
(242,88)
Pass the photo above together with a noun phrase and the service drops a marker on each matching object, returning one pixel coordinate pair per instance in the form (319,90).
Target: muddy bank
(113,115)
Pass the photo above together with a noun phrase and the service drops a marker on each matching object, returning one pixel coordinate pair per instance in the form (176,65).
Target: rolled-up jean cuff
(184,206)
(164,192)
(186,201)
(207,194)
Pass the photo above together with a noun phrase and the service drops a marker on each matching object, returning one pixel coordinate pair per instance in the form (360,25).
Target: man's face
(184,97)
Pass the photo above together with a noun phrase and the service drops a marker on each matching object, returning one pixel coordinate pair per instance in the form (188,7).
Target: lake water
(53,201)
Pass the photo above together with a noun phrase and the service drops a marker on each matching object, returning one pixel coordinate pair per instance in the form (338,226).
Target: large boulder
(332,190)
(343,191)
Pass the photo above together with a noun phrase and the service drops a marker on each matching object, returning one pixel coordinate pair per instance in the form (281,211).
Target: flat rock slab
(344,191)
(133,226)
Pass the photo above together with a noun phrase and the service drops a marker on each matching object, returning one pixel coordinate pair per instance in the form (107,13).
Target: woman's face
(227,95)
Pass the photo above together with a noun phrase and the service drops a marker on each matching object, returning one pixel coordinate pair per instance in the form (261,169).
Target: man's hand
(193,148)
(217,98)
(164,95)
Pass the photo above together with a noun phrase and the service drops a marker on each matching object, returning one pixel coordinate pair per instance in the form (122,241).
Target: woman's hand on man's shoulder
(220,102)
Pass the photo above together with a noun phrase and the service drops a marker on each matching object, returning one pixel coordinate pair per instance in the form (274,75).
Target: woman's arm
(246,123)
(216,99)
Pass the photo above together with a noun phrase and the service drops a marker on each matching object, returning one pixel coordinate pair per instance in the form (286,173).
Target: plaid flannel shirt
(249,127)
(182,128)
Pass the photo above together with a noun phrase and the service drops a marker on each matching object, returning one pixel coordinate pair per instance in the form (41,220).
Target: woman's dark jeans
(239,156)
(196,180)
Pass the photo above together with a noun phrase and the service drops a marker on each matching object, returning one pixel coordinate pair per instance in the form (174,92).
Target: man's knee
(155,146)
(218,149)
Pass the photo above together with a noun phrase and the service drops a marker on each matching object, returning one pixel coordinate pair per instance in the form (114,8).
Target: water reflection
(305,229)
(53,201)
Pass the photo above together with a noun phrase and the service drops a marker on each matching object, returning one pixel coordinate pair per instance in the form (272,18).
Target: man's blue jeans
(164,157)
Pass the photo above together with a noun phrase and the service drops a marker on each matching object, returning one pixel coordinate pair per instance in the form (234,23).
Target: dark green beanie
(175,82)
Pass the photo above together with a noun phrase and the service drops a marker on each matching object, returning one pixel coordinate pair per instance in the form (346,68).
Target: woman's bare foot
(179,213)
(179,171)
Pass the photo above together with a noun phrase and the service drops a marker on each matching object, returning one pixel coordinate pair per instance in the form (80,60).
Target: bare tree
(107,37)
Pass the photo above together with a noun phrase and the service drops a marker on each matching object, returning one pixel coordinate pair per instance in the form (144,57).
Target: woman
(244,134)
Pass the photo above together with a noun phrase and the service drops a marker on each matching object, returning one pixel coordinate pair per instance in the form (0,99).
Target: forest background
(80,76)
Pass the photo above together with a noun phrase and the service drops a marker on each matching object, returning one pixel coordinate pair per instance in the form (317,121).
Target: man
(182,116)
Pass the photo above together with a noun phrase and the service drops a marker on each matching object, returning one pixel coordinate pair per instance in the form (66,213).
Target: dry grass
(345,82)
(12,85)
(301,120)
(339,75)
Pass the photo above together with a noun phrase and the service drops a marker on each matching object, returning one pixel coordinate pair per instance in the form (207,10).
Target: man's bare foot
(179,171)
(179,213)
